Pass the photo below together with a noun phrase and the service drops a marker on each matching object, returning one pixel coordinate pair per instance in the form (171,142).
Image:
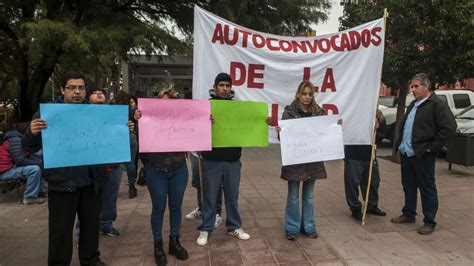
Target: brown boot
(426,229)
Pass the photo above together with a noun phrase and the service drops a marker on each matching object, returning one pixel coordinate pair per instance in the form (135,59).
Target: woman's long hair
(312,107)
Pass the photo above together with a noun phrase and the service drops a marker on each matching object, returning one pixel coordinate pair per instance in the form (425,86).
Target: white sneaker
(202,238)
(194,214)
(240,234)
(218,221)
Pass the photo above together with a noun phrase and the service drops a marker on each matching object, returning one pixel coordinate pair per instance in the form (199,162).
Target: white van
(457,100)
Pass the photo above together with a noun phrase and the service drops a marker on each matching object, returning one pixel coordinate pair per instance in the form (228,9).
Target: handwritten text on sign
(169,125)
(84,134)
(311,139)
(239,124)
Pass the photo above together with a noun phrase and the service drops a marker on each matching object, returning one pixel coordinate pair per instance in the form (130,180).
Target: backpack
(6,161)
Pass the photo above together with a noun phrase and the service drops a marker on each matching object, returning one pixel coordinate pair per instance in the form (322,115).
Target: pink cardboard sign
(172,125)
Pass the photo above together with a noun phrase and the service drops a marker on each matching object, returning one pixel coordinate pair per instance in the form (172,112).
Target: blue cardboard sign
(84,134)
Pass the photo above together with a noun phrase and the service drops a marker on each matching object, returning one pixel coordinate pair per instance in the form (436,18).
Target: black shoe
(377,211)
(132,192)
(402,219)
(357,214)
(160,256)
(312,235)
(112,232)
(291,236)
(176,249)
(98,263)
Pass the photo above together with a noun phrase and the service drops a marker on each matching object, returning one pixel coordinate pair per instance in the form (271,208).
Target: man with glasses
(424,131)
(71,190)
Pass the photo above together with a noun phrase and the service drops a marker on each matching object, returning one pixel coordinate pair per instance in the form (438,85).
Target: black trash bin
(460,150)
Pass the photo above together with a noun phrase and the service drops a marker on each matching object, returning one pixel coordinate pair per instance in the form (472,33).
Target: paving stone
(227,258)
(261,256)
(290,256)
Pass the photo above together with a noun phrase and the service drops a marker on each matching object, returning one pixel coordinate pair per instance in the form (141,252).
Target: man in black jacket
(424,131)
(71,190)
(221,166)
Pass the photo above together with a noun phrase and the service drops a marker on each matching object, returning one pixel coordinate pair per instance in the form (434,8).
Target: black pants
(63,207)
(356,173)
(419,173)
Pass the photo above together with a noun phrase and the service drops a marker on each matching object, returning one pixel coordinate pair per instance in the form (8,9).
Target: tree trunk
(400,113)
(32,86)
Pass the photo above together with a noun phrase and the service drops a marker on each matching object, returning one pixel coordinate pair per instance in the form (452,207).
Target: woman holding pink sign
(166,176)
(304,105)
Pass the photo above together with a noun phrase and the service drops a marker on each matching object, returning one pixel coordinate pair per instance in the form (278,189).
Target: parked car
(457,100)
(387,101)
(465,121)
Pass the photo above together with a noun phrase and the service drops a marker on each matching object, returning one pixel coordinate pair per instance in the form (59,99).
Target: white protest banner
(345,67)
(311,139)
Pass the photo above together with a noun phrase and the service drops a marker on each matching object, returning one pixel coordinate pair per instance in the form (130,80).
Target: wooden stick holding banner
(372,153)
(201,183)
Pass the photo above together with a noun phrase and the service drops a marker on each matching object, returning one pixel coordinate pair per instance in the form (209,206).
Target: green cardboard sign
(239,124)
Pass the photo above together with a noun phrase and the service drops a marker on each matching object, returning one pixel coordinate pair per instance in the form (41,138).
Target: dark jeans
(419,173)
(215,174)
(165,186)
(63,207)
(132,165)
(196,182)
(108,214)
(356,173)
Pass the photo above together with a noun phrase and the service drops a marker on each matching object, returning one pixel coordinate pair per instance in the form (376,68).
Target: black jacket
(434,123)
(65,178)
(164,161)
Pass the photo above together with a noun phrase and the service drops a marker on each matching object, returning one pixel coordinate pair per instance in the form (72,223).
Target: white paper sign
(311,139)
(346,68)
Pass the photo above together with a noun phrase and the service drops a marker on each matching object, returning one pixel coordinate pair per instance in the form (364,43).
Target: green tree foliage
(39,37)
(434,37)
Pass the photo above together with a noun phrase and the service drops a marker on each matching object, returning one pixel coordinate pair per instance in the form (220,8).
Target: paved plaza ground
(342,241)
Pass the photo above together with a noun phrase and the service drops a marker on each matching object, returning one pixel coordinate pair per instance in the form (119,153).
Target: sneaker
(112,232)
(426,229)
(218,221)
(33,201)
(132,192)
(240,234)
(202,238)
(194,214)
(402,219)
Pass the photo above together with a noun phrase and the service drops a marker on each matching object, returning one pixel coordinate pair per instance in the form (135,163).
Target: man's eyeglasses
(74,88)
